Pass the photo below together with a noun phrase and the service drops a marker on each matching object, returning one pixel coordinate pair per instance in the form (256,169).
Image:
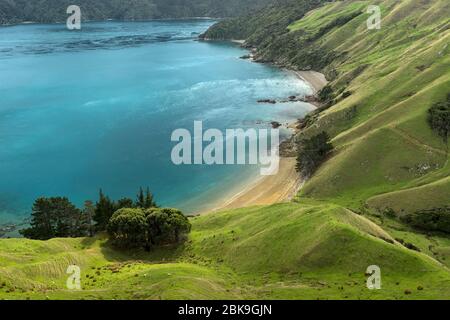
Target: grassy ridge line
(287,251)
(265,25)
(393,75)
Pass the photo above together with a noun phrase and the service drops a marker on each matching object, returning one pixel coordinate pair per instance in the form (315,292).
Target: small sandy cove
(283,186)
(268,189)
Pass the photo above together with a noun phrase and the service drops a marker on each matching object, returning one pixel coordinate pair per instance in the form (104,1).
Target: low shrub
(437,219)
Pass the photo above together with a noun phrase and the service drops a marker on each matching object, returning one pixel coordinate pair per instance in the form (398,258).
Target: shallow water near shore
(92,109)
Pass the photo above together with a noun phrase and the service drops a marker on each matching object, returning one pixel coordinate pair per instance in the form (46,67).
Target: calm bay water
(96,108)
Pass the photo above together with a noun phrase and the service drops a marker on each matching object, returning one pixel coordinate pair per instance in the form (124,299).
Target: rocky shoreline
(312,99)
(10,227)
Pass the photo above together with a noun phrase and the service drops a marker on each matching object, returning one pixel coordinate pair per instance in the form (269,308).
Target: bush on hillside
(346,94)
(312,152)
(147,228)
(57,217)
(167,226)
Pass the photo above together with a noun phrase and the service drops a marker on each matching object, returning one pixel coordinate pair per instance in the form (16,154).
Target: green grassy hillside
(319,246)
(264,26)
(384,81)
(293,251)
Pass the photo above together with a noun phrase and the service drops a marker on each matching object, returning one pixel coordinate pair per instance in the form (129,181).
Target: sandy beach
(284,186)
(268,189)
(315,79)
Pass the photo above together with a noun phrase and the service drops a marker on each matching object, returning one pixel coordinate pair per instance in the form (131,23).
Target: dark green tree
(437,219)
(145,200)
(149,200)
(86,226)
(104,209)
(42,221)
(138,228)
(439,119)
(67,218)
(166,226)
(124,203)
(53,217)
(326,94)
(312,152)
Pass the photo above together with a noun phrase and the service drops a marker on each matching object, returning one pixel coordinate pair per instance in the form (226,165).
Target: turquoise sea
(90,109)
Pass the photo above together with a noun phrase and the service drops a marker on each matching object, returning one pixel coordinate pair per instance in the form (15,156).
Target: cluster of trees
(439,118)
(130,224)
(105,207)
(146,228)
(47,11)
(312,152)
(58,217)
(437,219)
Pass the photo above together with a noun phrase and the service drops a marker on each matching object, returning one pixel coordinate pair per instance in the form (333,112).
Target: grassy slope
(384,144)
(309,250)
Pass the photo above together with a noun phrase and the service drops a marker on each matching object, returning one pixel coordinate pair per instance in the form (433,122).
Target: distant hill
(387,162)
(46,11)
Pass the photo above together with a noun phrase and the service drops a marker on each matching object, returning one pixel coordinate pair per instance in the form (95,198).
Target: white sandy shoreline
(316,80)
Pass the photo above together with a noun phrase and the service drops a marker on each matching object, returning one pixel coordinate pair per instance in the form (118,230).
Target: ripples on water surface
(95,109)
